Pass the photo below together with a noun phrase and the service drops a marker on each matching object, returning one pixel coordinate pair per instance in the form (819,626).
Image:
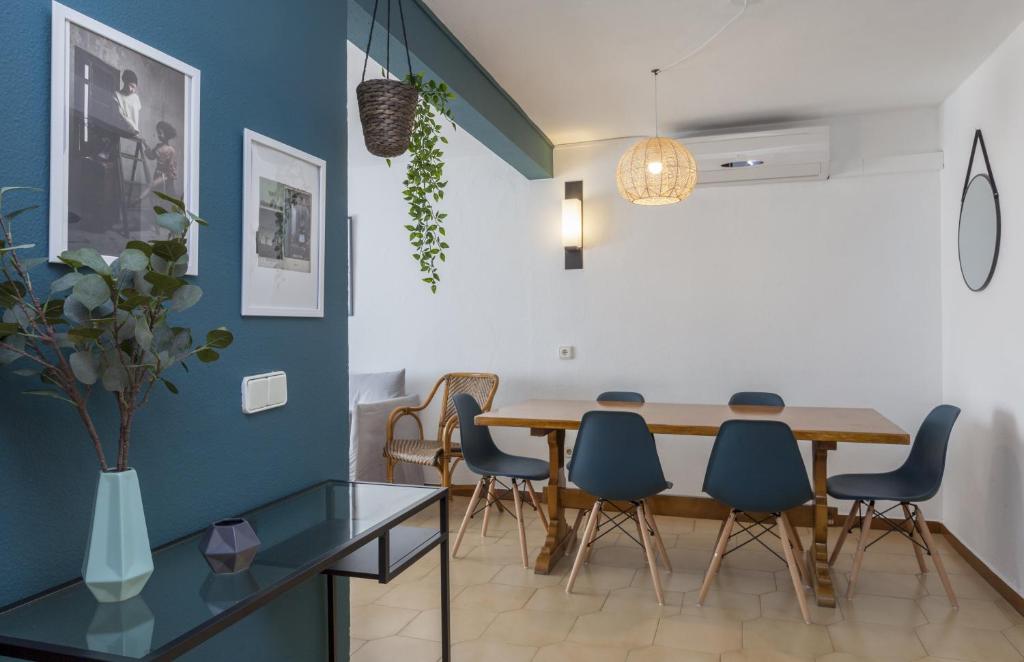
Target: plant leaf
(48,393)
(91,291)
(207,355)
(185,297)
(85,366)
(219,338)
(133,259)
(66,282)
(173,221)
(88,257)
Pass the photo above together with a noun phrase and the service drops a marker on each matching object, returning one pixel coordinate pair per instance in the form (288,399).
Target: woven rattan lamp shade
(643,182)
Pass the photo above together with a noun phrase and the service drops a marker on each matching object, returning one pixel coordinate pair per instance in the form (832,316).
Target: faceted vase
(118,561)
(229,545)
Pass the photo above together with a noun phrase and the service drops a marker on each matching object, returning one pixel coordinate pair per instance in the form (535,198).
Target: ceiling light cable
(710,39)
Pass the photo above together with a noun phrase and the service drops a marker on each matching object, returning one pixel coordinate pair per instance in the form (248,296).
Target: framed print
(283,219)
(124,124)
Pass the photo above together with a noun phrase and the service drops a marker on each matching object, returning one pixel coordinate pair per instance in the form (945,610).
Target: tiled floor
(502,612)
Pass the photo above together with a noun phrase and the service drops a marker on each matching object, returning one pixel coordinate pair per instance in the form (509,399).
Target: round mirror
(979,232)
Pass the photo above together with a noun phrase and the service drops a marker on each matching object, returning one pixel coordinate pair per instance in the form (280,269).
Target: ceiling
(581,68)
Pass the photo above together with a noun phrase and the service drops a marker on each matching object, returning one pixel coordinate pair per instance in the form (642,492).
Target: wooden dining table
(824,427)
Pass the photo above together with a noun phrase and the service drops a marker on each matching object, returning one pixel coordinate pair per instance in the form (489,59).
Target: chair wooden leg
(446,473)
(473,501)
(536,504)
(716,559)
(652,563)
(518,500)
(487,509)
(847,525)
(865,531)
(588,532)
(940,567)
(588,542)
(798,547)
(657,537)
(391,470)
(785,531)
(913,543)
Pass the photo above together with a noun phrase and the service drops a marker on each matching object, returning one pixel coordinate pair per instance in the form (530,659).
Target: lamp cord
(736,17)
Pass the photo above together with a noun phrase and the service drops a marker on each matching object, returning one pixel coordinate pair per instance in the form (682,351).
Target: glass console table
(333,528)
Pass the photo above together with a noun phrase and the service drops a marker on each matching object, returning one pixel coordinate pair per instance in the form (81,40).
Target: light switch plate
(263,392)
(566,352)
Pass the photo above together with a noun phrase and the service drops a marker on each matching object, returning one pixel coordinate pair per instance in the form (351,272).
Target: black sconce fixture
(572,225)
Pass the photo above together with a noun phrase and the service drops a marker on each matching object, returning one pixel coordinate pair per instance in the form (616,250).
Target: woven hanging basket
(387,109)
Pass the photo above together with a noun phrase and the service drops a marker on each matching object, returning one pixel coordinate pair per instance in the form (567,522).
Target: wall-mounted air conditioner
(761,156)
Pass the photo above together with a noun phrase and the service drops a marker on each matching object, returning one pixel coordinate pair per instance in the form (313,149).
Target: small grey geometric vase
(229,545)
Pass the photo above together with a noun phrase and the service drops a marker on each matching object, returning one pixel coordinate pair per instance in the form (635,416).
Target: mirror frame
(968,180)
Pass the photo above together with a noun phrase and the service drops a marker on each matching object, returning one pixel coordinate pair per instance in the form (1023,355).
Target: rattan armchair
(438,453)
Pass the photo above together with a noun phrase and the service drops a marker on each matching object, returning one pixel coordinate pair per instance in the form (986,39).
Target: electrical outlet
(566,352)
(568,452)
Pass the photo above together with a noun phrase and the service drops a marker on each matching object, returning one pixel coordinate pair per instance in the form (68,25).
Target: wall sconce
(572,225)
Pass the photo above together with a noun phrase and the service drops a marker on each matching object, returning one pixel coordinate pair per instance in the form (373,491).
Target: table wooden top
(813,423)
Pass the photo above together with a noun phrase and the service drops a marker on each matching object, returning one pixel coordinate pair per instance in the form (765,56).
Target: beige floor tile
(603,578)
(673,525)
(982,614)
(1016,637)
(849,657)
(884,583)
(783,606)
(693,559)
(555,599)
(755,558)
(663,654)
(493,597)
(422,594)
(530,628)
(482,650)
(745,655)
(517,575)
(466,572)
(699,634)
(723,605)
(418,570)
(568,651)
(619,556)
(377,621)
(504,554)
(786,637)
(967,644)
(467,624)
(606,628)
(970,586)
(873,640)
(754,582)
(366,591)
(354,644)
(676,582)
(884,610)
(390,649)
(639,600)
(904,564)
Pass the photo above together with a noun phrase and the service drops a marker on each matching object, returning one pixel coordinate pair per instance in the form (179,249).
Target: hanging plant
(424,176)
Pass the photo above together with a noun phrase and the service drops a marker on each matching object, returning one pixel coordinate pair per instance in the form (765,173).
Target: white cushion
(366,444)
(375,386)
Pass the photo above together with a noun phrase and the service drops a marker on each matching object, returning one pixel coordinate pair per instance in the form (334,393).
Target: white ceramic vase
(118,561)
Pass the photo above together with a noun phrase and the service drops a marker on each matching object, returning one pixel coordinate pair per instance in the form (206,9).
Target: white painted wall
(827,292)
(983,365)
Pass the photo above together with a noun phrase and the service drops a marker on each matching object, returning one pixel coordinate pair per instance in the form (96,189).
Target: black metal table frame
(45,652)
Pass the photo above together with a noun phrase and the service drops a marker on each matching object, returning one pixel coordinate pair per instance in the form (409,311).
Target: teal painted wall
(482,108)
(279,71)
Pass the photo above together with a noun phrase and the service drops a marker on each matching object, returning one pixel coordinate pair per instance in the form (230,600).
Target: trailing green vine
(424,177)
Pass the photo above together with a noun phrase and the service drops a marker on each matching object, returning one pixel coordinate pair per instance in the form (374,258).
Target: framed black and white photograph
(124,125)
(283,220)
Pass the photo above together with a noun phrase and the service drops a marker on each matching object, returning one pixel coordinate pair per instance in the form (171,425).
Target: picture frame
(124,124)
(283,229)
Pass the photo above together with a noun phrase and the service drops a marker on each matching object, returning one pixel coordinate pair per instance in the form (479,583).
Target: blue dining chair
(755,467)
(757,399)
(917,480)
(615,460)
(621,396)
(483,457)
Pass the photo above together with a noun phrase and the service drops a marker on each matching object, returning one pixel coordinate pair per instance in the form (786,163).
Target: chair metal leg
(785,531)
(865,531)
(847,525)
(487,509)
(588,533)
(913,543)
(926,534)
(473,501)
(657,537)
(716,559)
(536,504)
(798,547)
(518,500)
(652,563)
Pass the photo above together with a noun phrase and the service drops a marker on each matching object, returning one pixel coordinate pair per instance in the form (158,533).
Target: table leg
(446,602)
(559,536)
(820,574)
(332,640)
